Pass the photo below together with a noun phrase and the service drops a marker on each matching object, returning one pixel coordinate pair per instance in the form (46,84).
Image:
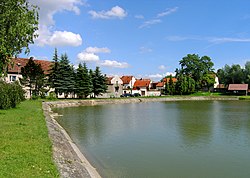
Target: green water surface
(164,139)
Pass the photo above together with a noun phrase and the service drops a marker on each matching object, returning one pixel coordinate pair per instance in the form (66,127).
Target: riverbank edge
(67,156)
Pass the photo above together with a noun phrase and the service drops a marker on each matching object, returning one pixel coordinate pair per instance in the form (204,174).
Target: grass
(25,149)
(244,98)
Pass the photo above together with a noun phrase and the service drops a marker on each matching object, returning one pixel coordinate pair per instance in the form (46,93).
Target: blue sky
(143,38)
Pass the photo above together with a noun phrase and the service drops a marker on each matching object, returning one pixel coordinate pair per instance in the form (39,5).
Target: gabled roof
(18,63)
(108,80)
(238,87)
(126,79)
(142,83)
(160,84)
(167,79)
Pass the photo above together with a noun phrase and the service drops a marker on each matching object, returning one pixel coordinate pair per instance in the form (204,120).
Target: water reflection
(195,125)
(177,139)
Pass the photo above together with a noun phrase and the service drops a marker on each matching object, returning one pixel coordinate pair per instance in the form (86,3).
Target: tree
(171,85)
(99,82)
(166,88)
(18,24)
(33,77)
(83,88)
(195,67)
(232,74)
(66,76)
(54,74)
(247,72)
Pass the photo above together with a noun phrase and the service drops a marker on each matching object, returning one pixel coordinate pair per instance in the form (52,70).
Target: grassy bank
(25,149)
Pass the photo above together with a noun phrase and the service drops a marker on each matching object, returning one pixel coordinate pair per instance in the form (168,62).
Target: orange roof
(167,79)
(160,84)
(126,79)
(238,87)
(18,63)
(109,80)
(142,83)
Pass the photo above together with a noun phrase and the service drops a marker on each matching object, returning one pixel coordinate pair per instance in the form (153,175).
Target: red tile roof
(126,79)
(142,83)
(238,87)
(160,84)
(109,80)
(167,79)
(18,63)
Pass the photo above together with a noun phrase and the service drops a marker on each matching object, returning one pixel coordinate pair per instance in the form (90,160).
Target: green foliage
(196,67)
(52,96)
(33,77)
(234,74)
(54,75)
(171,85)
(11,94)
(83,88)
(66,76)
(185,85)
(98,82)
(18,23)
(26,150)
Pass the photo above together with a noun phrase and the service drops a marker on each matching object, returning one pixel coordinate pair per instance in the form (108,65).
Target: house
(115,86)
(160,85)
(168,79)
(14,70)
(240,89)
(128,82)
(142,86)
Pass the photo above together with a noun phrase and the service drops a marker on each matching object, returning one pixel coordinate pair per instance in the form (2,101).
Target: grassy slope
(25,149)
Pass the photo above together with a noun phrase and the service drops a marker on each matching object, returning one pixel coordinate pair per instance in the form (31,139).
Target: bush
(11,94)
(52,96)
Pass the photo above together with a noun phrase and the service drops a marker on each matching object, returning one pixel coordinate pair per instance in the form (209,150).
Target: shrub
(52,96)
(11,94)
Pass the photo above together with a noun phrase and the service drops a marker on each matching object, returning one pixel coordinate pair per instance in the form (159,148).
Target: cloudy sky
(143,38)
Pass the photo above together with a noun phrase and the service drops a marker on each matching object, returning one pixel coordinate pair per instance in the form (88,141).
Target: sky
(143,38)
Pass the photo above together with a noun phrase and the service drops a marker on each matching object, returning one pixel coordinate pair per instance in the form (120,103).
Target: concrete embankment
(70,161)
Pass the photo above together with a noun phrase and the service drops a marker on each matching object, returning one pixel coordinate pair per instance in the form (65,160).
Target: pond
(163,139)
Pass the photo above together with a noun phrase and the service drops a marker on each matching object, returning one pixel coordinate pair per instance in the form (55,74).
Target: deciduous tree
(18,24)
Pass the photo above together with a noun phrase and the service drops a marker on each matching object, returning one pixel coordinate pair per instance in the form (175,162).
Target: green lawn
(25,149)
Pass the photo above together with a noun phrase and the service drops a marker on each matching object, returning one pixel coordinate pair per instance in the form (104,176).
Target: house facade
(14,70)
(115,86)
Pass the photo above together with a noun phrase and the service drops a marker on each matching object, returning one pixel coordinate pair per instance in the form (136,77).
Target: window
(12,78)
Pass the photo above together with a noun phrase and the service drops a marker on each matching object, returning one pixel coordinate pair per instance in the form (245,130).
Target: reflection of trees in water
(195,121)
(234,118)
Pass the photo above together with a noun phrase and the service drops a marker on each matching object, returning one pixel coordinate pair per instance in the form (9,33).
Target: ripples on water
(164,139)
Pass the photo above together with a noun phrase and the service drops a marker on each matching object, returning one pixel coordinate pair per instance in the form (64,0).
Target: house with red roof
(128,81)
(240,89)
(14,70)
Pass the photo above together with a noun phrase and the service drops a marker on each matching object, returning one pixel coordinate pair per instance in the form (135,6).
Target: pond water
(163,139)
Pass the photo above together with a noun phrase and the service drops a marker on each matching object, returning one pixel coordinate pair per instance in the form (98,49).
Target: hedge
(11,94)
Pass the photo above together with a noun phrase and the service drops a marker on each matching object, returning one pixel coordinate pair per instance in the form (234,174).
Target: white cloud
(97,50)
(48,8)
(87,57)
(167,12)
(144,49)
(226,40)
(160,76)
(115,64)
(115,12)
(139,16)
(64,38)
(162,67)
(47,35)
(150,22)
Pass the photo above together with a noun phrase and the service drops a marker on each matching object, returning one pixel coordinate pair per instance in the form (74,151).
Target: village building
(239,89)
(14,70)
(115,86)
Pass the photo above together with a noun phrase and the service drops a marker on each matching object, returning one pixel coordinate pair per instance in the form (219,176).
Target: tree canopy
(18,24)
(200,69)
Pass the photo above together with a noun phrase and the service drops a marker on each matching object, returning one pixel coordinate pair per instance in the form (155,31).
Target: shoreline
(69,159)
